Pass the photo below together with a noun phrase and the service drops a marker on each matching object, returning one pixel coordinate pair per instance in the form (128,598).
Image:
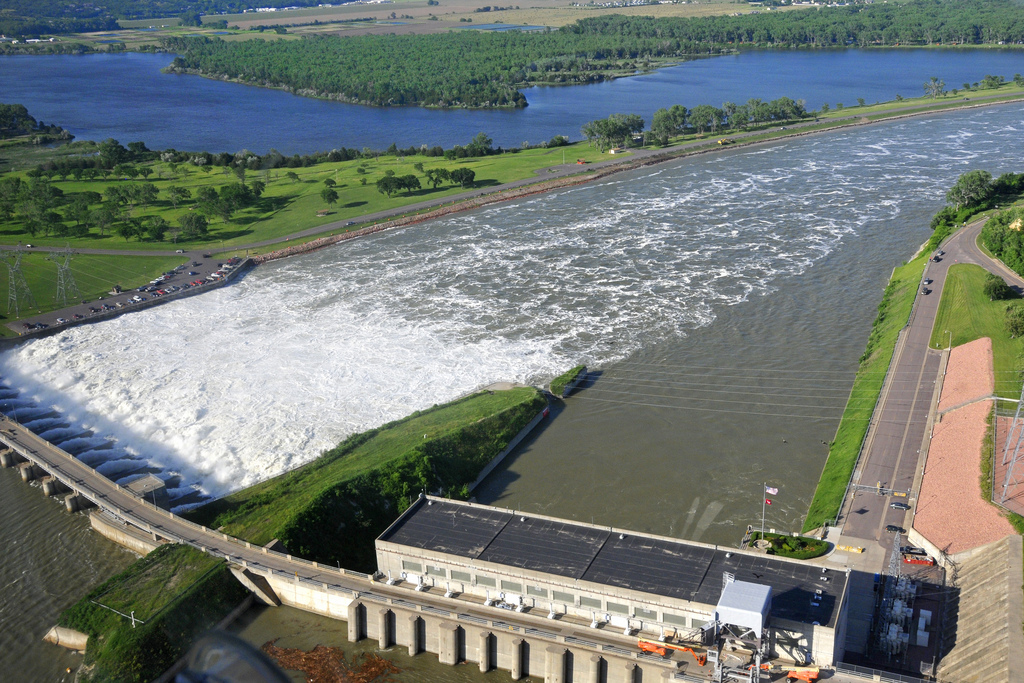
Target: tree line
(487,69)
(31,18)
(625,129)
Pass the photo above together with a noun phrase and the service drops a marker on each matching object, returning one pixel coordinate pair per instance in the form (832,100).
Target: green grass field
(95,275)
(177,591)
(259,513)
(291,205)
(893,313)
(968,314)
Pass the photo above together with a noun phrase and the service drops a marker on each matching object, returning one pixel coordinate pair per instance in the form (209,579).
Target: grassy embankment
(333,508)
(291,205)
(178,591)
(968,314)
(559,383)
(893,313)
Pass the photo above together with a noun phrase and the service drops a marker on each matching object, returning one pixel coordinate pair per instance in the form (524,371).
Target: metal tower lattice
(65,279)
(17,288)
(892,575)
(1013,461)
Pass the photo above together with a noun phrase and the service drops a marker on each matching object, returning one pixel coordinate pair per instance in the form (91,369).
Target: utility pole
(65,279)
(17,288)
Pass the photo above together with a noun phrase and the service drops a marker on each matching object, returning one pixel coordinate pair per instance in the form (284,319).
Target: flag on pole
(771,490)
(768,501)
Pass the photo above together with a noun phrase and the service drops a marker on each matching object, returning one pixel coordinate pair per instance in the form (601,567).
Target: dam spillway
(243,383)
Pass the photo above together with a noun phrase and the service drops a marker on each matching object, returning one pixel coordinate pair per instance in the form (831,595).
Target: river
(722,301)
(125,96)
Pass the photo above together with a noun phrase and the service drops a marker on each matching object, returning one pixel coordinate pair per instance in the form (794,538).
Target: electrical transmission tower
(1013,457)
(17,288)
(65,279)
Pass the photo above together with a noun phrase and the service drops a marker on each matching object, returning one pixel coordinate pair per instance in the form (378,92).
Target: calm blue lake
(126,97)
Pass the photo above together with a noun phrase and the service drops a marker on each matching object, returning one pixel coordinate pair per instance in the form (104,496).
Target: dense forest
(484,69)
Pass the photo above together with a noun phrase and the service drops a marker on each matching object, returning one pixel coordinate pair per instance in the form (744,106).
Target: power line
(17,288)
(65,278)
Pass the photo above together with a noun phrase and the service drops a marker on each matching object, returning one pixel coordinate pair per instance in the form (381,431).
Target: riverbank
(845,449)
(570,175)
(360,484)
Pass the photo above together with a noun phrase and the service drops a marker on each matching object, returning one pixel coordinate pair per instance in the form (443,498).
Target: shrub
(996,289)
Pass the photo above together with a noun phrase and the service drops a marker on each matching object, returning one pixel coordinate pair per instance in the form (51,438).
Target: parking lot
(196,272)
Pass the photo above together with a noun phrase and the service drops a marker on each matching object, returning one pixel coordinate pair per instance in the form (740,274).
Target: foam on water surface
(243,383)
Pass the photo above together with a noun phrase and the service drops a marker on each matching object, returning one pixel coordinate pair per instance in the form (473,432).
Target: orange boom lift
(661,649)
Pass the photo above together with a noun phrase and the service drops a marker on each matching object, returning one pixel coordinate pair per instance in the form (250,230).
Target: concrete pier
(448,645)
(9,458)
(30,471)
(484,656)
(53,487)
(516,666)
(412,640)
(596,668)
(356,621)
(66,637)
(554,664)
(383,632)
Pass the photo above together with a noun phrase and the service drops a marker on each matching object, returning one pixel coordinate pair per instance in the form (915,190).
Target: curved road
(896,443)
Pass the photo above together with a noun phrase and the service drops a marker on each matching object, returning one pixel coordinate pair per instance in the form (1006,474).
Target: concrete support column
(554,664)
(448,643)
(355,621)
(517,659)
(383,637)
(9,458)
(52,486)
(413,641)
(595,669)
(485,652)
(29,471)
(629,674)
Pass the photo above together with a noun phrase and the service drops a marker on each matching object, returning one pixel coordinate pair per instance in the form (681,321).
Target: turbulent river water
(721,302)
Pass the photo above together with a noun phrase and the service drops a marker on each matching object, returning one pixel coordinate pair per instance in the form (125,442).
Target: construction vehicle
(726,141)
(794,673)
(661,649)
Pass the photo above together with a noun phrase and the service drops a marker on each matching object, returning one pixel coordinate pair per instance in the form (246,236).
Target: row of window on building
(585,601)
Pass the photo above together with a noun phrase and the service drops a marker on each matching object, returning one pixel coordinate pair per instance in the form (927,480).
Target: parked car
(895,528)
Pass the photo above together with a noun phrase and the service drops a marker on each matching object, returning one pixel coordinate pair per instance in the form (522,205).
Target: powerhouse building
(647,585)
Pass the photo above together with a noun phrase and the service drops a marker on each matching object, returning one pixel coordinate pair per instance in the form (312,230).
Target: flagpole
(764,492)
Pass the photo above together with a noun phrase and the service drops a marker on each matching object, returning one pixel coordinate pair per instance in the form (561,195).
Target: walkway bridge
(457,628)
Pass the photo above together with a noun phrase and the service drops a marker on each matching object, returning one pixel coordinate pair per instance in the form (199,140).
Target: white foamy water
(240,384)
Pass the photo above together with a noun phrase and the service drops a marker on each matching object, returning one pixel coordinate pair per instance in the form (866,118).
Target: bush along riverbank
(176,593)
(568,380)
(333,508)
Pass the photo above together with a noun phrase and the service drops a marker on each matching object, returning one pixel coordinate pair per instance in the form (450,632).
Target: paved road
(203,264)
(896,440)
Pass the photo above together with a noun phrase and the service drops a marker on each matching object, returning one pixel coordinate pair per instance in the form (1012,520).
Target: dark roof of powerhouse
(660,566)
